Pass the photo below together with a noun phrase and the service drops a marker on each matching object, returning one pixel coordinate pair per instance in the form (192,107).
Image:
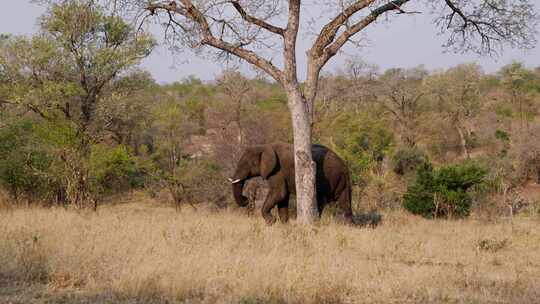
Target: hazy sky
(407,41)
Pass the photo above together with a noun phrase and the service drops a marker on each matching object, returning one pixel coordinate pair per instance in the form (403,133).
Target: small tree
(403,97)
(64,73)
(457,95)
(236,86)
(247,29)
(519,84)
(172,130)
(358,69)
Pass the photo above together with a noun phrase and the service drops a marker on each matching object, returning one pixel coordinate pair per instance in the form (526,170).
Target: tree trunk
(306,199)
(238,119)
(410,139)
(463,142)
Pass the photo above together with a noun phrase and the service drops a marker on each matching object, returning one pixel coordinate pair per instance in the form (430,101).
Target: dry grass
(138,253)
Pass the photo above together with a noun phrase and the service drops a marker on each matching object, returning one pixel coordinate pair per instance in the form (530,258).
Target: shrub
(22,163)
(407,160)
(382,191)
(204,183)
(445,191)
(492,245)
(361,141)
(113,170)
(40,162)
(504,138)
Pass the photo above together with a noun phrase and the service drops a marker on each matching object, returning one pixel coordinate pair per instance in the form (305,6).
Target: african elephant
(275,163)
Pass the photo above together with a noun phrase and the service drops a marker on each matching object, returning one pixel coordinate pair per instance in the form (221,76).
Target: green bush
(113,170)
(22,163)
(360,140)
(445,191)
(407,160)
(504,139)
(39,161)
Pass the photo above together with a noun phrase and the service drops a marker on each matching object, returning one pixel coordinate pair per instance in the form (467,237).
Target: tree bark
(306,199)
(463,142)
(303,161)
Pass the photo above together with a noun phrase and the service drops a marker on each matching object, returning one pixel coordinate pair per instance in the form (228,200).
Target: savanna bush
(114,169)
(445,191)
(361,141)
(407,160)
(190,181)
(39,162)
(204,182)
(382,191)
(22,163)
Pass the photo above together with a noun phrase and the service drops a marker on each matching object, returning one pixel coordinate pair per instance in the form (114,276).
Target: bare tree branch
(247,55)
(338,43)
(329,31)
(259,22)
(483,27)
(327,45)
(187,10)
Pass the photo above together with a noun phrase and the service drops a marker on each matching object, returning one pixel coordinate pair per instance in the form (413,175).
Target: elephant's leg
(276,194)
(321,203)
(283,207)
(269,203)
(344,206)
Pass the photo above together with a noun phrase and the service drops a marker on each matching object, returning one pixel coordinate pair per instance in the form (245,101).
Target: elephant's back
(332,172)
(324,155)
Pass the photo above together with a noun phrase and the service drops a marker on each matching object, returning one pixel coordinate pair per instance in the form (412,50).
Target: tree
(236,86)
(125,111)
(247,29)
(520,85)
(402,96)
(172,129)
(64,74)
(457,95)
(356,68)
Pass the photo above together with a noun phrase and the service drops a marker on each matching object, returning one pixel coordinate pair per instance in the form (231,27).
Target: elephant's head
(255,161)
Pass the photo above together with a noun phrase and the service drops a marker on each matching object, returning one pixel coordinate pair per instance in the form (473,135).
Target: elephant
(275,163)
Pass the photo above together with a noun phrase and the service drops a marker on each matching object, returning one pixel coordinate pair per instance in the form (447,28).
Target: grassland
(147,253)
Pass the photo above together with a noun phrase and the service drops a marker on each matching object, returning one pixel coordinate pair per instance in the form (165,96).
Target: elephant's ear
(268,161)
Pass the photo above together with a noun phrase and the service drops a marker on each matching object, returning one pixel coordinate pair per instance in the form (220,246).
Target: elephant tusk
(234,181)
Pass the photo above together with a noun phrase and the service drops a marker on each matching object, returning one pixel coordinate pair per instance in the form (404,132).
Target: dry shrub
(4,200)
(492,245)
(23,256)
(150,254)
(383,191)
(491,207)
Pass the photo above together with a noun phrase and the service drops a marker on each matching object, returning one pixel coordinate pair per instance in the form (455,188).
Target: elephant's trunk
(238,187)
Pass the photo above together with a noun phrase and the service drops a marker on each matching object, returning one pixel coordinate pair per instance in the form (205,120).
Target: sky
(406,41)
